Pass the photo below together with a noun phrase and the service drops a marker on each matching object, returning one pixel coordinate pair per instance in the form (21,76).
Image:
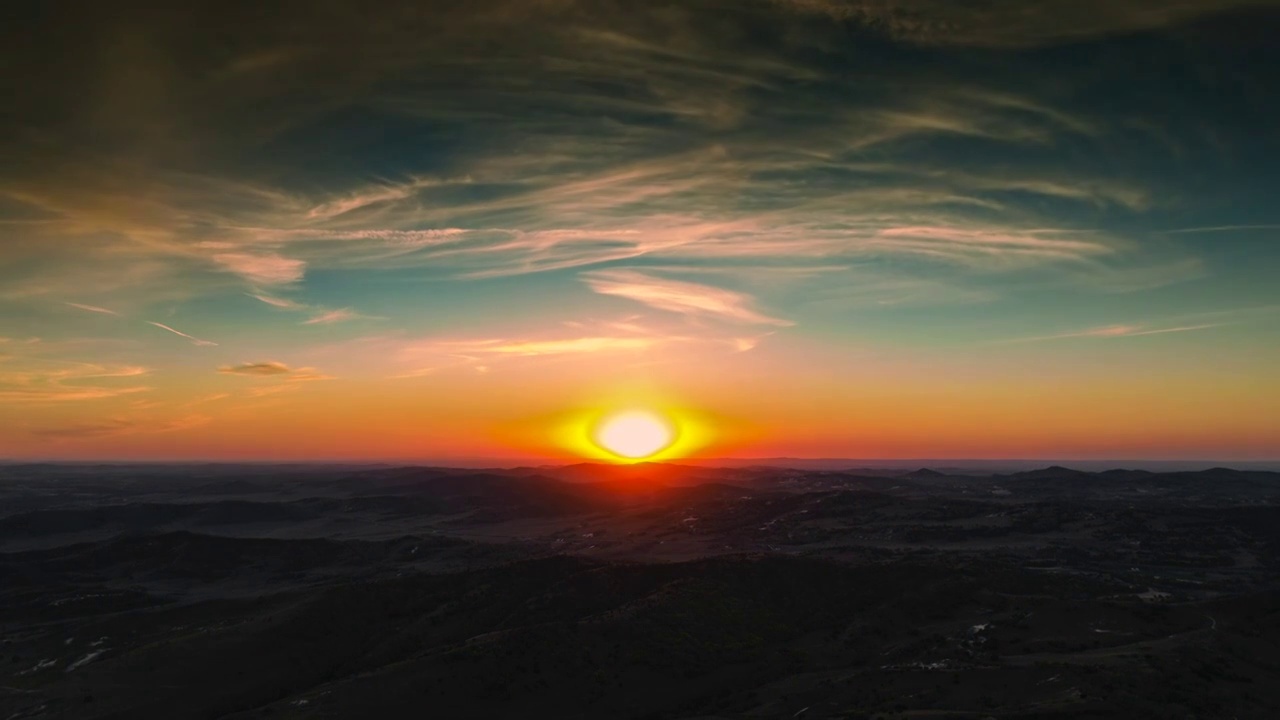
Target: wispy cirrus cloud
(678,296)
(365,199)
(266,390)
(632,338)
(273,368)
(104,311)
(791,180)
(641,212)
(880,289)
(375,195)
(194,340)
(115,426)
(388,237)
(262,268)
(282,303)
(442,354)
(318,315)
(967,244)
(1222,229)
(120,425)
(561,347)
(329,317)
(943,23)
(1119,331)
(212,397)
(269,367)
(58,382)
(93,309)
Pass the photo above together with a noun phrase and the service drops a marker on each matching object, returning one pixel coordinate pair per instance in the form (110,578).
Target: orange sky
(541,407)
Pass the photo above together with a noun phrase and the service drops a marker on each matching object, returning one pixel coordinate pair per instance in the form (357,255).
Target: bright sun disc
(634,435)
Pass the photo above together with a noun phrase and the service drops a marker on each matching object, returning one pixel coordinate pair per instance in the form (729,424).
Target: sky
(807,228)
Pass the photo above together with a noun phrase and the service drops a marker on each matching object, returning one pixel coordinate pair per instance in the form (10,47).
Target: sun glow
(634,435)
(623,427)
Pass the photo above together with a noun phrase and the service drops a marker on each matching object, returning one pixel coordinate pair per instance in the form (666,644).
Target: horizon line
(778,461)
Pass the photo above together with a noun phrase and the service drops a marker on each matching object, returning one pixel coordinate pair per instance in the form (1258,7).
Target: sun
(634,435)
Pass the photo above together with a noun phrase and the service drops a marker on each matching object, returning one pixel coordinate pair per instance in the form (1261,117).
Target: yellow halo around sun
(634,434)
(622,430)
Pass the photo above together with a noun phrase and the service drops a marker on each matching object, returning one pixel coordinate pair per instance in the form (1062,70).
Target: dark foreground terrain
(636,592)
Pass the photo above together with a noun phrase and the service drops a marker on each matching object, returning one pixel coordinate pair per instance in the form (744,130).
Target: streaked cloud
(1222,229)
(318,315)
(442,354)
(631,337)
(265,390)
(678,296)
(871,289)
(329,317)
(93,309)
(273,368)
(304,374)
(374,195)
(1010,23)
(58,382)
(262,268)
(966,244)
(114,426)
(121,425)
(65,393)
(194,340)
(1122,278)
(269,367)
(560,347)
(212,397)
(283,303)
(1120,331)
